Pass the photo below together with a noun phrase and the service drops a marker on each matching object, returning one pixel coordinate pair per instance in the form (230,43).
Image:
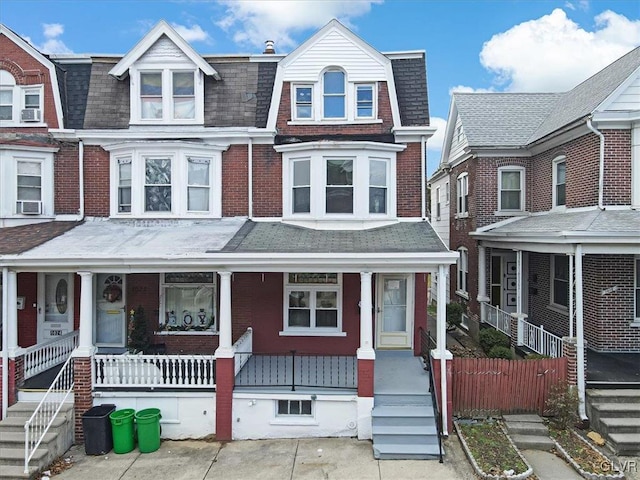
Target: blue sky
(492,45)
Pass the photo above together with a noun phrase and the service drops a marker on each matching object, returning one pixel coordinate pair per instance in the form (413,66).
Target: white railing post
(521,327)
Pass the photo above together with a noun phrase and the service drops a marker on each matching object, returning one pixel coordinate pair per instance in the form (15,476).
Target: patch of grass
(491,448)
(587,457)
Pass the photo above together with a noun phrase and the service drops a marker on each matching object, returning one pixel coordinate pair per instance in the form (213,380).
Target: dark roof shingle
(14,240)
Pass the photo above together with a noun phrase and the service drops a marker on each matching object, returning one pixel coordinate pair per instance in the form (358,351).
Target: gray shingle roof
(410,77)
(108,98)
(266,78)
(502,119)
(278,237)
(74,81)
(584,98)
(231,101)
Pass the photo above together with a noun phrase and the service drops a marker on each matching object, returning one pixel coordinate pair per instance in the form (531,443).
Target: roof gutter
(601,168)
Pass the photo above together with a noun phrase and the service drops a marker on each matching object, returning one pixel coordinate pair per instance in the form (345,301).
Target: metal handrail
(426,344)
(47,410)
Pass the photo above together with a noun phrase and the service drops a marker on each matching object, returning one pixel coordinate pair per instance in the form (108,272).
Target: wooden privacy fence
(492,386)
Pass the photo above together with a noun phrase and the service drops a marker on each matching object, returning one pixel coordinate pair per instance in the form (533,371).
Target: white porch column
(571,292)
(442,353)
(580,334)
(366,351)
(87,308)
(5,356)
(519,282)
(482,274)
(11,291)
(225,347)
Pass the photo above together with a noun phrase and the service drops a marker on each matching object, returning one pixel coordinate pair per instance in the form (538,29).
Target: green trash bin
(148,422)
(122,428)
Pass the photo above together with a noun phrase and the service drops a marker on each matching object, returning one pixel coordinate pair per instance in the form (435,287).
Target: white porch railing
(498,319)
(39,423)
(243,349)
(43,356)
(154,371)
(539,340)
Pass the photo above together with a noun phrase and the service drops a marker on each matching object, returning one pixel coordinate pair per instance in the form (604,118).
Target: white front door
(55,305)
(394,312)
(110,328)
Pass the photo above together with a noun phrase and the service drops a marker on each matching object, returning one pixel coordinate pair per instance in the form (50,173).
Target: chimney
(268,47)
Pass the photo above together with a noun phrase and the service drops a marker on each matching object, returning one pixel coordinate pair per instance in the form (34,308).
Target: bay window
(188,301)
(301,201)
(313,304)
(339,189)
(157,185)
(26,177)
(198,184)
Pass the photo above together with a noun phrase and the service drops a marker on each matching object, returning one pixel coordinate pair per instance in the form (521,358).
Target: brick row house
(267,212)
(542,192)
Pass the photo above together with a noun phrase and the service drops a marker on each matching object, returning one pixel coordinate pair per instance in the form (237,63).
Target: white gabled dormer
(334,78)
(167,79)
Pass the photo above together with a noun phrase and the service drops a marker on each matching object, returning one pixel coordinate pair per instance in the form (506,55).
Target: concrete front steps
(404,427)
(615,414)
(528,432)
(57,441)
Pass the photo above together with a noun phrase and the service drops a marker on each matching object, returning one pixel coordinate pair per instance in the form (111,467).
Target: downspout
(5,349)
(423,187)
(601,170)
(81,180)
(250,174)
(580,356)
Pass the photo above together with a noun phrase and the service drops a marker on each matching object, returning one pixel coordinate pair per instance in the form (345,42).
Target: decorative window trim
(291,284)
(19,101)
(522,172)
(462,272)
(167,94)
(462,195)
(317,154)
(554,194)
(179,154)
(552,301)
(187,322)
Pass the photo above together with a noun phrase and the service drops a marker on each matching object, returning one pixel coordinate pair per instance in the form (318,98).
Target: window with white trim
(294,408)
(338,183)
(313,303)
(636,288)
(438,205)
(303,102)
(167,95)
(510,189)
(446,193)
(19,104)
(463,270)
(26,179)
(365,100)
(560,281)
(559,182)
(334,95)
(188,301)
(462,191)
(182,181)
(29,182)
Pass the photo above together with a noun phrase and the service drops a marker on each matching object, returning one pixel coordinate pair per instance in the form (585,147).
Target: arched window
(7,87)
(334,94)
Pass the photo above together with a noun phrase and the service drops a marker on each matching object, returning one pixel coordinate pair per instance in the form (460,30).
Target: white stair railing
(45,413)
(498,319)
(539,340)
(43,356)
(243,349)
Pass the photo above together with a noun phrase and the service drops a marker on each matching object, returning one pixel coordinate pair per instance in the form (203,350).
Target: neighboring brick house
(545,191)
(259,203)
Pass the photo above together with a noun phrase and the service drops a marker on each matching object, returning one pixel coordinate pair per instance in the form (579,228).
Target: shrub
(454,315)
(498,351)
(490,338)
(138,340)
(562,405)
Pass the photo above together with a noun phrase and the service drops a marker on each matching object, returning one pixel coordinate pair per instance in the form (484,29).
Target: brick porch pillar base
(435,364)
(82,398)
(570,350)
(16,377)
(225,374)
(365,378)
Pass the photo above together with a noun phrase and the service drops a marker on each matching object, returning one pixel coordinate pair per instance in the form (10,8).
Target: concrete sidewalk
(293,459)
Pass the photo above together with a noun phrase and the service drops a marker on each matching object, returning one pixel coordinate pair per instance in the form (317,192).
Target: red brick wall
(66,177)
(96,181)
(408,184)
(28,71)
(539,312)
(28,318)
(267,182)
(617,167)
(16,378)
(235,192)
(82,393)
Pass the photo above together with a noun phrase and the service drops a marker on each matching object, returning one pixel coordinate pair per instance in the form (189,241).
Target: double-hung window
(19,104)
(462,191)
(151,95)
(313,304)
(164,95)
(339,186)
(303,98)
(198,184)
(378,185)
(124,185)
(29,182)
(560,281)
(184,96)
(463,271)
(511,189)
(188,301)
(157,184)
(559,182)
(301,186)
(437,199)
(334,94)
(365,101)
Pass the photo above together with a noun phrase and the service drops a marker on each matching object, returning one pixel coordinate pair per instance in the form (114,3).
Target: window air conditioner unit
(30,115)
(30,207)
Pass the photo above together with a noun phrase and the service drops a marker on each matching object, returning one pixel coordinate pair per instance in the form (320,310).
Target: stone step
(614,395)
(16,423)
(527,428)
(401,415)
(625,410)
(27,408)
(15,456)
(621,425)
(525,417)
(387,451)
(533,442)
(627,444)
(404,435)
(402,399)
(13,472)
(9,439)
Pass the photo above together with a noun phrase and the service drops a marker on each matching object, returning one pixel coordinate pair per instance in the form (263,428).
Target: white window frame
(179,155)
(438,203)
(294,102)
(462,195)
(552,301)
(447,194)
(167,94)
(317,154)
(636,290)
(462,273)
(509,169)
(343,95)
(163,317)
(374,101)
(18,100)
(554,194)
(312,288)
(294,415)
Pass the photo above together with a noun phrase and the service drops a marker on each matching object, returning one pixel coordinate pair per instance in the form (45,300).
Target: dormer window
(174,96)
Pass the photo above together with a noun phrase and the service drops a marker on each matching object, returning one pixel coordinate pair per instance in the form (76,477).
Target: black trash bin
(96,427)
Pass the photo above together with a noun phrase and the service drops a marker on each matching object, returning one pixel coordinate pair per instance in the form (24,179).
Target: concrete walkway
(548,466)
(288,459)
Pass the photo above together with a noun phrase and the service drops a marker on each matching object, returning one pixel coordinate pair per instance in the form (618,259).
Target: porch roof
(595,226)
(15,240)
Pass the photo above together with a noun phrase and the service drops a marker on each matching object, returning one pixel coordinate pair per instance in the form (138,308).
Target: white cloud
(52,43)
(466,89)
(579,5)
(553,53)
(436,141)
(251,22)
(194,33)
(52,30)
